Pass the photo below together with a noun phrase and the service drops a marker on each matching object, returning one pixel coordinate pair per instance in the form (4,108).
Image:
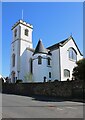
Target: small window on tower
(31,66)
(49,74)
(39,60)
(13,60)
(15,33)
(26,32)
(48,60)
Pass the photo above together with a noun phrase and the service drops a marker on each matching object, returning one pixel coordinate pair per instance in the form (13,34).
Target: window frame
(48,61)
(39,60)
(72,54)
(13,60)
(50,75)
(66,74)
(31,66)
(26,32)
(15,33)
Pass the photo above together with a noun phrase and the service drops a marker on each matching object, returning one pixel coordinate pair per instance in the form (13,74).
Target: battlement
(23,23)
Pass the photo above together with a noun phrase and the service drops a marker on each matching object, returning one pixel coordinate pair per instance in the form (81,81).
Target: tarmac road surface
(15,106)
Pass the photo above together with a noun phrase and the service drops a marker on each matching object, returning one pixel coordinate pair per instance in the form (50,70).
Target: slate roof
(30,49)
(62,43)
(56,46)
(40,48)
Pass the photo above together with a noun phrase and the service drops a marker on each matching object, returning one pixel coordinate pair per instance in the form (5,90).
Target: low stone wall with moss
(65,89)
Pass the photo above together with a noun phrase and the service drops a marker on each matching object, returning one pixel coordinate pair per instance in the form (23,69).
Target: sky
(52,22)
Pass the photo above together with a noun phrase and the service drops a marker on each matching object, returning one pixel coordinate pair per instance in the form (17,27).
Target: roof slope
(56,46)
(40,48)
(62,43)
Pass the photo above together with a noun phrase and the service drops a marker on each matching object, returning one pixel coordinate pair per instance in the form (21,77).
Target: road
(15,106)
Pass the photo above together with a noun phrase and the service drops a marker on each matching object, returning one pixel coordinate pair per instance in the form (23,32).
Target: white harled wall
(25,65)
(67,63)
(42,70)
(14,50)
(18,47)
(55,65)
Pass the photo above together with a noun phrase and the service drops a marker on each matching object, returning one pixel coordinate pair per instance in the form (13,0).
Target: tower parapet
(23,23)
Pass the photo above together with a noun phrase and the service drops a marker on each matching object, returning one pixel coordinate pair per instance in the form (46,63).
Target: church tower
(42,64)
(21,39)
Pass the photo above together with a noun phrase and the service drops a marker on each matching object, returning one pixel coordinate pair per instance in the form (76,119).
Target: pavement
(15,106)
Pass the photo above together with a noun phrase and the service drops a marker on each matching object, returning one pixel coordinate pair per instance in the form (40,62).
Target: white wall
(19,44)
(25,65)
(42,70)
(55,65)
(23,36)
(20,33)
(66,63)
(14,50)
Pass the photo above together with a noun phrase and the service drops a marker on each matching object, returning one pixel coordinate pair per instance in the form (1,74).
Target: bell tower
(21,39)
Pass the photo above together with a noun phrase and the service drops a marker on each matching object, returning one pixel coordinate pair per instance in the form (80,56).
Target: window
(31,65)
(48,61)
(49,74)
(15,33)
(66,73)
(13,60)
(72,54)
(26,32)
(39,60)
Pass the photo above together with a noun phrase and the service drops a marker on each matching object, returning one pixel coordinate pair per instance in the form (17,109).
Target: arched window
(26,32)
(48,60)
(72,54)
(13,60)
(66,73)
(39,60)
(15,33)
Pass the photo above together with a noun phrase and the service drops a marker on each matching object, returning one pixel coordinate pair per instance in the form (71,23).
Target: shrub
(79,70)
(56,80)
(68,79)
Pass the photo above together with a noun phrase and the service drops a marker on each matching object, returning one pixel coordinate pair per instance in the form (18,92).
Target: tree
(79,70)
(28,77)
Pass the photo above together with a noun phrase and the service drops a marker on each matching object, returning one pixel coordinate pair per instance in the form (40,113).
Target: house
(41,64)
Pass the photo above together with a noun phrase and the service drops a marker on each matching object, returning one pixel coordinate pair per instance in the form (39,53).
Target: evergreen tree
(79,70)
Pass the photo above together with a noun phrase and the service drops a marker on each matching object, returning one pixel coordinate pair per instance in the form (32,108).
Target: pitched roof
(56,46)
(62,43)
(30,49)
(40,48)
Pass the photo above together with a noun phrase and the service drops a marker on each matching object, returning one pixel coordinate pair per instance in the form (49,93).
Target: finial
(40,39)
(71,35)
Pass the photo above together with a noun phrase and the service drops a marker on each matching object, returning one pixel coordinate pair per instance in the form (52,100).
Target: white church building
(40,64)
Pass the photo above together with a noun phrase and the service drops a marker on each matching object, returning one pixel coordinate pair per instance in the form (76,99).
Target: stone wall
(65,89)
